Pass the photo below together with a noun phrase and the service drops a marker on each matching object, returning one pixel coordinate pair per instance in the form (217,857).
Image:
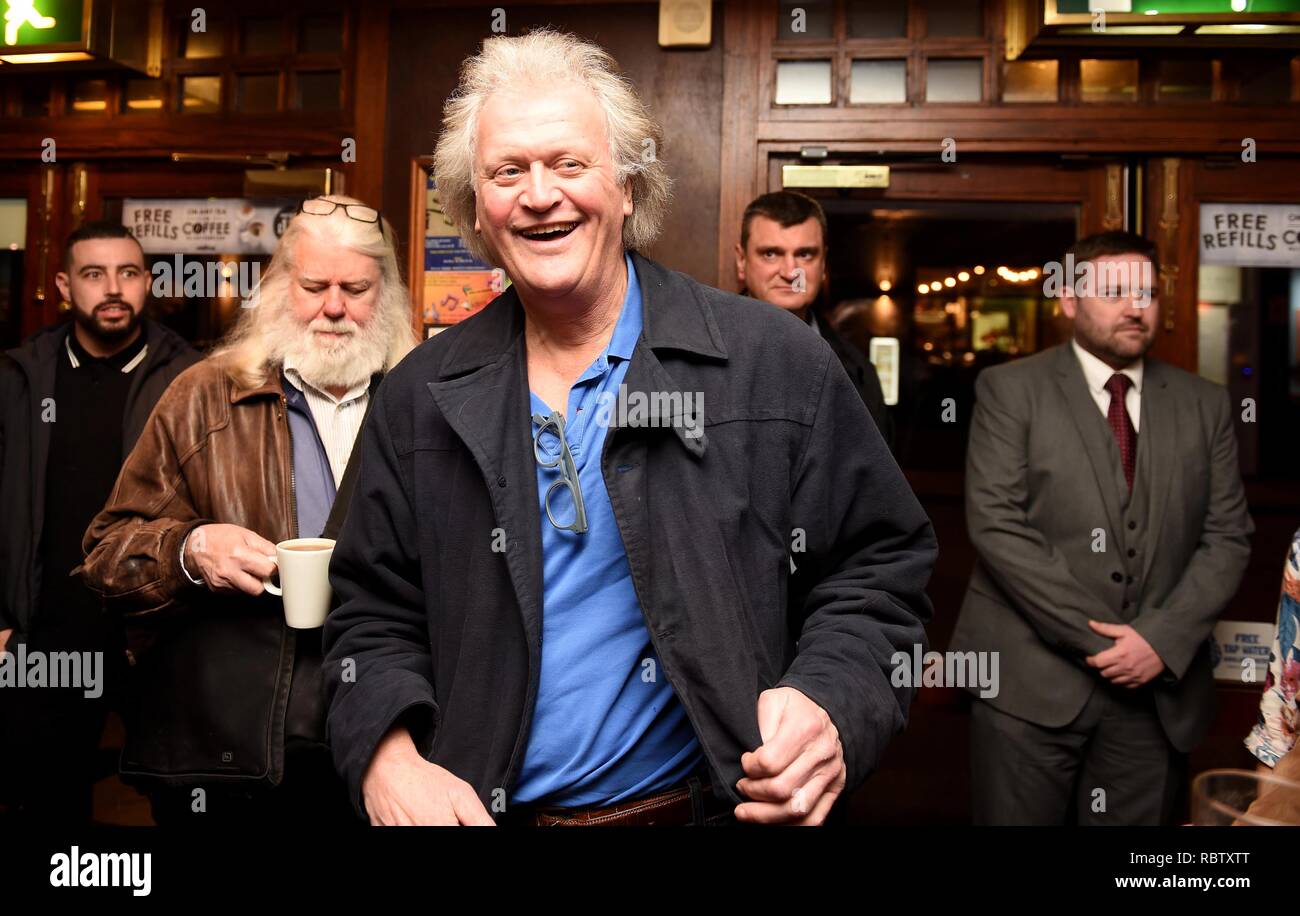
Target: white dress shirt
(1097,374)
(338,420)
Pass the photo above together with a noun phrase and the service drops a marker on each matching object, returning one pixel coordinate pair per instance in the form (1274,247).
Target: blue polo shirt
(606,726)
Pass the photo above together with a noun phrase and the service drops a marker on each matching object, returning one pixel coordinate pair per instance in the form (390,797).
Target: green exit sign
(38,23)
(1180,7)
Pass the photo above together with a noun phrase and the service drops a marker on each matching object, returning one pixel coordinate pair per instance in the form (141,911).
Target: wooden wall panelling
(683,88)
(1114,217)
(1165,226)
(742,166)
(45,232)
(415,219)
(197,134)
(164,178)
(1273,178)
(82,199)
(366,175)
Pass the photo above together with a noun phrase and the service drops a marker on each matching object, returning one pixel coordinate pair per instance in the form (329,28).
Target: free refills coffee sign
(210,226)
(1250,235)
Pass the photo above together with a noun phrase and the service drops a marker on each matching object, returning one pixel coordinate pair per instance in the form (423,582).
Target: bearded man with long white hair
(249,448)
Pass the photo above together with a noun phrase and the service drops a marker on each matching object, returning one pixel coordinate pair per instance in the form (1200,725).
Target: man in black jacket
(606,563)
(781,259)
(73,400)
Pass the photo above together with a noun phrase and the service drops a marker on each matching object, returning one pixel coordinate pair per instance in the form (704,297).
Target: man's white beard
(341,362)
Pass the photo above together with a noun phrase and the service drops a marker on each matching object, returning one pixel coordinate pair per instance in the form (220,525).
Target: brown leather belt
(691,803)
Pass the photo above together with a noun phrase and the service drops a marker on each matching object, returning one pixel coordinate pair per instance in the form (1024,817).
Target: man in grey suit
(1106,507)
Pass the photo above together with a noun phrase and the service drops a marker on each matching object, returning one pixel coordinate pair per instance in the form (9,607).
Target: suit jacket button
(501,481)
(1132,552)
(1116,577)
(1130,580)
(1125,605)
(1132,526)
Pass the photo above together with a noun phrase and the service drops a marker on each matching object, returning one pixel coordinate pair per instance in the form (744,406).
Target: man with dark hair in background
(73,400)
(781,259)
(1105,504)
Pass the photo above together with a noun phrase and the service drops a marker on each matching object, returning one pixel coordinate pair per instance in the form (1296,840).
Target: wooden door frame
(1141,131)
(1175,189)
(1099,190)
(63,196)
(41,186)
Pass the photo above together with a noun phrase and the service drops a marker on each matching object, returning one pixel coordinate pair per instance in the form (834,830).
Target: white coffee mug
(304,581)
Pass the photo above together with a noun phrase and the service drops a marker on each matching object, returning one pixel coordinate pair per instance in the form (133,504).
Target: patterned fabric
(338,420)
(1275,733)
(1121,425)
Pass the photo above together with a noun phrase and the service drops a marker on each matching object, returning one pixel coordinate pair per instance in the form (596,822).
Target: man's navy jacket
(782,547)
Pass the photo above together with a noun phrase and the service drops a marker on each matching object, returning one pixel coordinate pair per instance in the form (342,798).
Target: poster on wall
(208,226)
(456,284)
(1239,651)
(453,295)
(1250,235)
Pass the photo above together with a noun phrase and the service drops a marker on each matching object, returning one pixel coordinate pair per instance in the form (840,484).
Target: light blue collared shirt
(606,725)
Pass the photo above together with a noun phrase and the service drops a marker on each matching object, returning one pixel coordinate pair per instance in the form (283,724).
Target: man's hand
(799,771)
(229,558)
(1131,662)
(402,789)
(4,638)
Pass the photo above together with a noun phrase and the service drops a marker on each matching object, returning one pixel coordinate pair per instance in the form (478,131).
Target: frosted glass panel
(878,82)
(954,81)
(1185,81)
(1108,80)
(1260,79)
(258,93)
(13,224)
(1029,81)
(208,43)
(953,18)
(804,19)
(1218,291)
(877,18)
(142,95)
(88,97)
(262,35)
(200,94)
(317,91)
(803,82)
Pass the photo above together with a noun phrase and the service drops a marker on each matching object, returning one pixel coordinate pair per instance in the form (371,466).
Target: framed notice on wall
(208,225)
(449,282)
(1250,235)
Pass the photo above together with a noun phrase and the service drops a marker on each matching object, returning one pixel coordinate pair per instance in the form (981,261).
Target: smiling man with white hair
(555,615)
(249,448)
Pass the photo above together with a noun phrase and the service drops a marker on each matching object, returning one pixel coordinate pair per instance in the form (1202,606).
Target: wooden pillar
(740,165)
(1168,193)
(365,177)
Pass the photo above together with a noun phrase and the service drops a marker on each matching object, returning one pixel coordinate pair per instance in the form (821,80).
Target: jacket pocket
(207,702)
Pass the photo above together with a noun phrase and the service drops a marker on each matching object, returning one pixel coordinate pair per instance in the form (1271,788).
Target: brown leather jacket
(211,452)
(212,672)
